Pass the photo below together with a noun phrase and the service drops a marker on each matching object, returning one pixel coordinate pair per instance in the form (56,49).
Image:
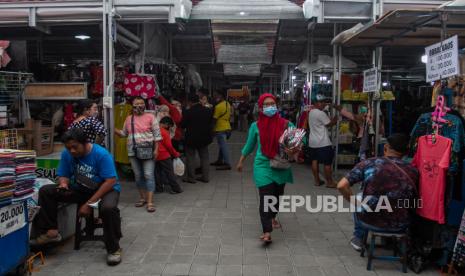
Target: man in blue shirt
(86,176)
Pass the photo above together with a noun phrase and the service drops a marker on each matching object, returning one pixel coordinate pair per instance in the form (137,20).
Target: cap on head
(322,98)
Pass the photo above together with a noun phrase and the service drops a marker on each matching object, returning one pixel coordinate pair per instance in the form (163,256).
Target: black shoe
(175,192)
(189,181)
(223,168)
(217,163)
(202,180)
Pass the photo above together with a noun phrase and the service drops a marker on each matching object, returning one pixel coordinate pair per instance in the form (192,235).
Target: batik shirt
(380,177)
(92,127)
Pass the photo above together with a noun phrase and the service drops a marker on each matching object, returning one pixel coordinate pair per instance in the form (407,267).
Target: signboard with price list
(443,59)
(12,218)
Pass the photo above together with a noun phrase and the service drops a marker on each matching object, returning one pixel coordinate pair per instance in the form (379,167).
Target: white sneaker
(114,258)
(356,244)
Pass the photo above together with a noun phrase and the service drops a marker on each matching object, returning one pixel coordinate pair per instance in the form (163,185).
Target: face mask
(270,111)
(138,109)
(363,109)
(95,115)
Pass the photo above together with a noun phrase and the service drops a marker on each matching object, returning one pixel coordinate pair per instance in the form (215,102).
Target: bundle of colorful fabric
(292,138)
(25,174)
(7,177)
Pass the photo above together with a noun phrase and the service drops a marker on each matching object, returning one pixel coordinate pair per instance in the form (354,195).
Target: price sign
(12,218)
(443,60)
(370,80)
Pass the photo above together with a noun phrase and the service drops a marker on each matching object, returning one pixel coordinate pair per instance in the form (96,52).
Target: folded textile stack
(7,177)
(25,174)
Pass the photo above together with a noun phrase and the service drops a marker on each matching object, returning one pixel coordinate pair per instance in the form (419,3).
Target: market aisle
(213,229)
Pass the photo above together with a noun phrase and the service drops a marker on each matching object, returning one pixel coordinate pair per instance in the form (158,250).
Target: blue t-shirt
(98,165)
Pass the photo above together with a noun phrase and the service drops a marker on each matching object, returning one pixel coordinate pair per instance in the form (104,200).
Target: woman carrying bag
(270,174)
(143,134)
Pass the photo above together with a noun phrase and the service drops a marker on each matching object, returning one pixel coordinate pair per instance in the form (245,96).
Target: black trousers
(164,175)
(50,196)
(273,190)
(204,162)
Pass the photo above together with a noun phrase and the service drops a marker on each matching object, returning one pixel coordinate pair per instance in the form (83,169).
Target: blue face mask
(270,111)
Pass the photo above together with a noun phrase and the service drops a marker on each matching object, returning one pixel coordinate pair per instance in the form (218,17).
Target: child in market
(166,152)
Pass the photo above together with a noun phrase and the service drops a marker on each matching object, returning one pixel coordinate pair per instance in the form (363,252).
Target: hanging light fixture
(82,37)
(424,58)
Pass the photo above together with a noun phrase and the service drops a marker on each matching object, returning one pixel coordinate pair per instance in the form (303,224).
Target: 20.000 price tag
(12,218)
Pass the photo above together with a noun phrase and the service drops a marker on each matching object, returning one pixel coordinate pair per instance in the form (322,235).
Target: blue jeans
(223,154)
(144,172)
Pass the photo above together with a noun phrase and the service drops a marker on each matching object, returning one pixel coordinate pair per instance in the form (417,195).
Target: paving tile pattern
(213,229)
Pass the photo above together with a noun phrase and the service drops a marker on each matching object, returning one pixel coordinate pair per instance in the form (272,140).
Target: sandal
(140,203)
(320,184)
(150,208)
(266,239)
(276,224)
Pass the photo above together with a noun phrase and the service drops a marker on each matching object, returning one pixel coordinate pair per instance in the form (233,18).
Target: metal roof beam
(33,21)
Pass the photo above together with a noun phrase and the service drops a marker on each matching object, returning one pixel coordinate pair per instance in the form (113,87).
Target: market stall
(439,36)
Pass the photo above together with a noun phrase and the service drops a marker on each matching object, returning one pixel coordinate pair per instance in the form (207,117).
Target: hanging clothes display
(432,161)
(96,72)
(120,74)
(140,85)
(4,57)
(434,233)
(458,257)
(69,115)
(121,112)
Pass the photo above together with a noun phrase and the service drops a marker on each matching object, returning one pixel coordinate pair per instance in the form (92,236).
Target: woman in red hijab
(265,133)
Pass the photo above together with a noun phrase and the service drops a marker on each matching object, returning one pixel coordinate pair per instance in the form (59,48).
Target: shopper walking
(166,153)
(222,115)
(197,122)
(321,148)
(244,109)
(269,181)
(95,184)
(204,100)
(88,121)
(143,134)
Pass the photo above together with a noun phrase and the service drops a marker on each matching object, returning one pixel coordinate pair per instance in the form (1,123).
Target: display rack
(9,139)
(11,88)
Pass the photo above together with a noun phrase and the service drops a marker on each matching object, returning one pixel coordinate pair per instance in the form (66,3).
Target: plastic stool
(86,233)
(398,237)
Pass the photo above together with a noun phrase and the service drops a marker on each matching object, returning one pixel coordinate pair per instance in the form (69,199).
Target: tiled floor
(213,229)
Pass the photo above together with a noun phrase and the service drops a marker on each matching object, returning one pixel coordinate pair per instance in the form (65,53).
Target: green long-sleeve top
(262,172)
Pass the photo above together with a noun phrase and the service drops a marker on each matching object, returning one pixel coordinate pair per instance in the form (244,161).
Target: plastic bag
(178,166)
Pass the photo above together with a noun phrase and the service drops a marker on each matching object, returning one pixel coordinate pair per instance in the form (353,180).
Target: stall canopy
(34,13)
(409,28)
(359,10)
(247,9)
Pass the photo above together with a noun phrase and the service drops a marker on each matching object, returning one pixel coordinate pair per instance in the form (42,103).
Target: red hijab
(270,129)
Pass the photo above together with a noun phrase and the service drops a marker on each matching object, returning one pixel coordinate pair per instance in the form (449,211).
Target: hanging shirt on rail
(432,161)
(453,130)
